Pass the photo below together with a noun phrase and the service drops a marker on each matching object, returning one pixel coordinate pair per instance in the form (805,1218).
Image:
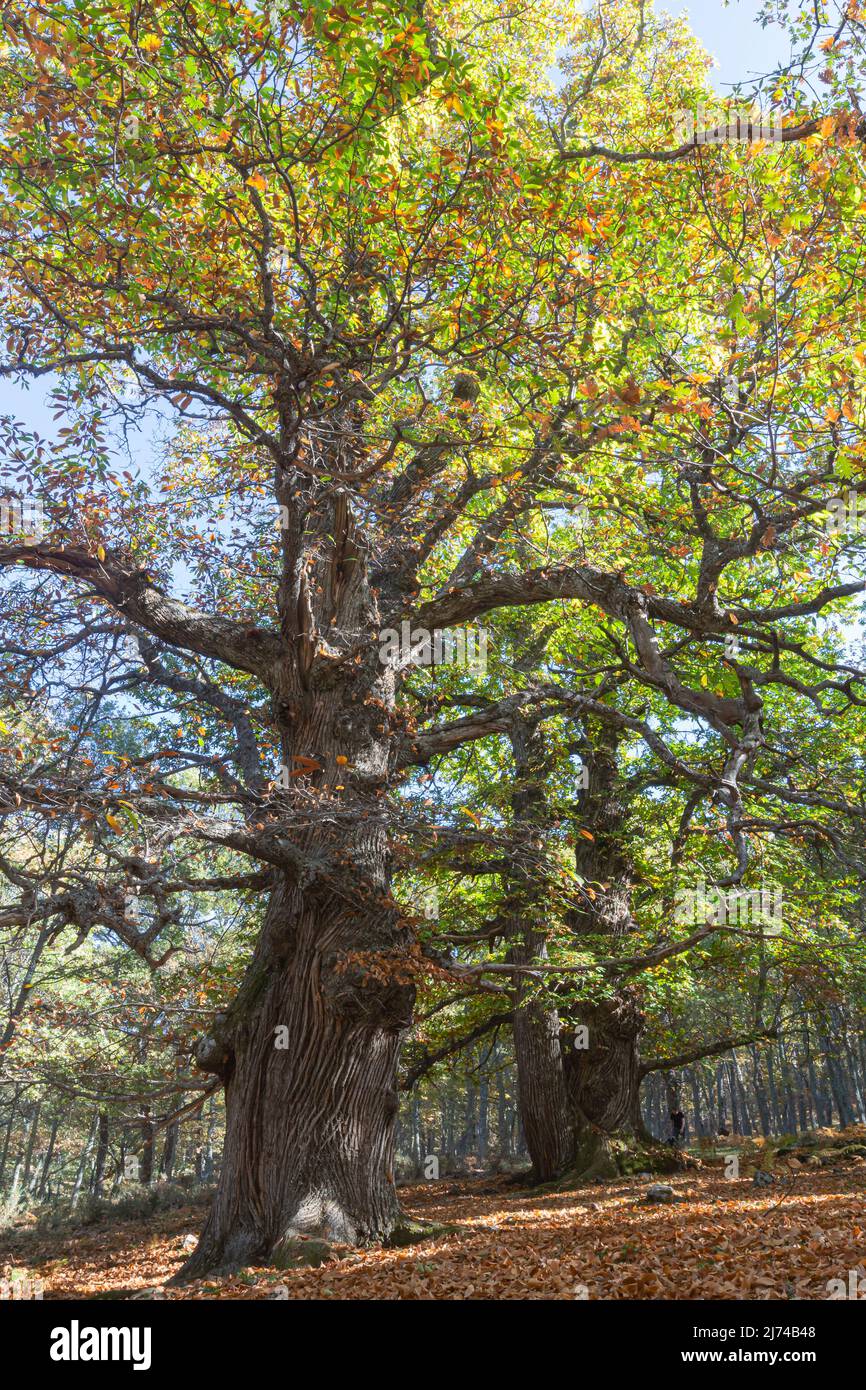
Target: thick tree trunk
(577,1088)
(603,1081)
(603,1077)
(308,1049)
(308,1053)
(545,1111)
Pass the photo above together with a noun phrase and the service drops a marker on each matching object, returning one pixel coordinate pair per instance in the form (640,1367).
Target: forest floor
(719,1238)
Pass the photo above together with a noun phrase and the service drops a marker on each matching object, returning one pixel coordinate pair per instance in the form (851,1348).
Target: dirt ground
(724,1239)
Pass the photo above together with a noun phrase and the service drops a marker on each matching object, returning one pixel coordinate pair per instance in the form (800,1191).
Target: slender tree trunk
(720,1099)
(22,1167)
(42,1189)
(31,1145)
(483,1120)
(760,1092)
(7,1138)
(700,1128)
(169,1151)
(78,1185)
(145,1174)
(469,1135)
(101,1155)
(709,1104)
(773,1092)
(737,1123)
(659,1122)
(853,1083)
(209,1166)
(503,1130)
(636,1124)
(737,1085)
(416,1150)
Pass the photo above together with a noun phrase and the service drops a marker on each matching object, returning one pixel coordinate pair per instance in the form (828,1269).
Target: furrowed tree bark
(545,1109)
(573,1099)
(308,1049)
(603,1081)
(309,1055)
(603,1078)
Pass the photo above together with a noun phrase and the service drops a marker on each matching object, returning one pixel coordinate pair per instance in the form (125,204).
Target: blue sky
(742,48)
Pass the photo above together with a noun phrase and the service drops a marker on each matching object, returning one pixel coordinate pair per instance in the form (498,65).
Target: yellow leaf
(113,822)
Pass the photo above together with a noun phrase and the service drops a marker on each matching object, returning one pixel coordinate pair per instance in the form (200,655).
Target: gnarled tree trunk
(545,1108)
(603,1081)
(309,1054)
(604,1077)
(575,1098)
(308,1049)
(545,1111)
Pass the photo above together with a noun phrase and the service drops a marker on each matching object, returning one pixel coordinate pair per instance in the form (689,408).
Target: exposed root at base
(409,1231)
